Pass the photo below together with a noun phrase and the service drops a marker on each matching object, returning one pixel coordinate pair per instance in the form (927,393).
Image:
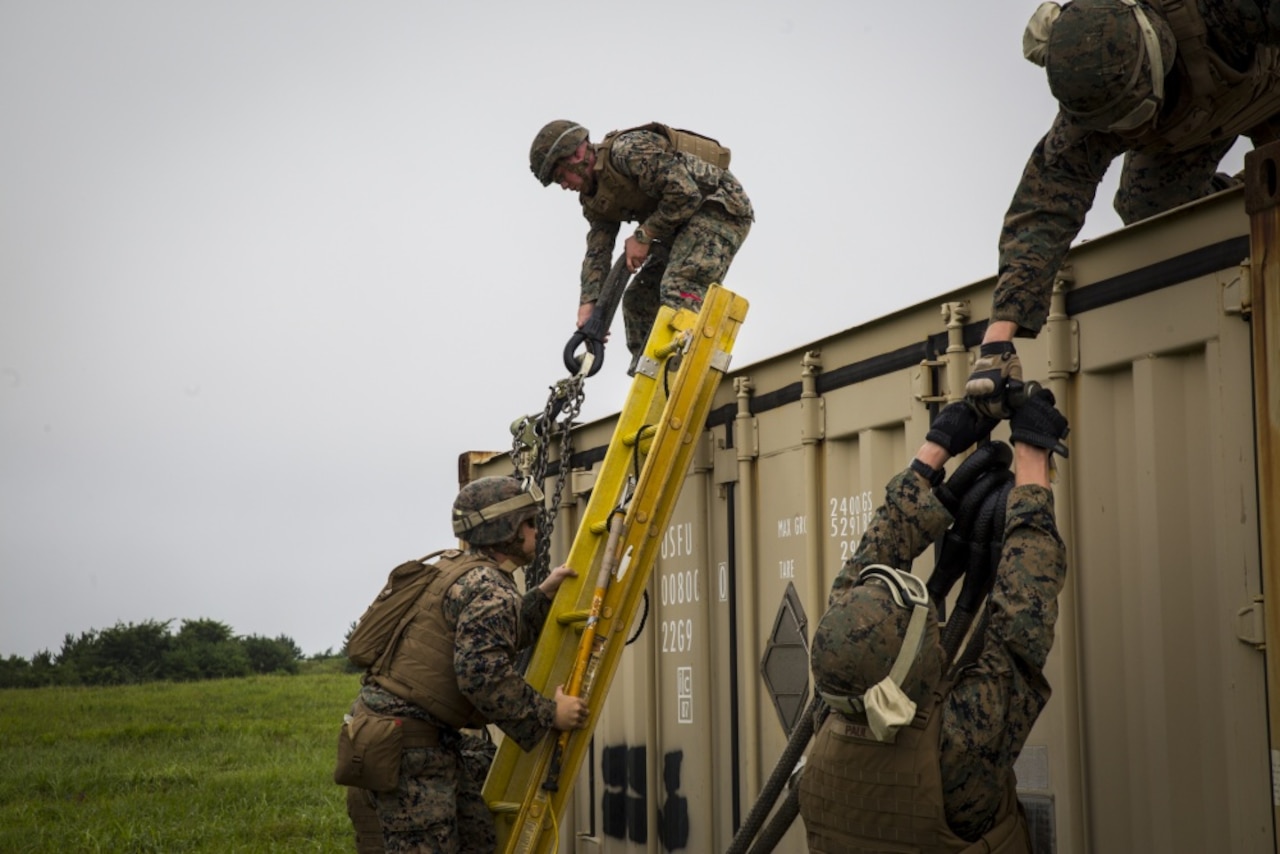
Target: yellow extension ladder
(613,552)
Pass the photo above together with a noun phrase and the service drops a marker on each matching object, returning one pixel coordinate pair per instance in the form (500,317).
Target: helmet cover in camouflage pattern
(556,140)
(1098,62)
(858,640)
(490,511)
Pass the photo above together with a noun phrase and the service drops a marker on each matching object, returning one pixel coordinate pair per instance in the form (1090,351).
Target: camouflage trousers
(1155,181)
(677,274)
(438,807)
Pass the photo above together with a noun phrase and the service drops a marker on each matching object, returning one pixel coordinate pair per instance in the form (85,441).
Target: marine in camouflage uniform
(989,710)
(439,795)
(437,806)
(1062,176)
(1131,80)
(693,215)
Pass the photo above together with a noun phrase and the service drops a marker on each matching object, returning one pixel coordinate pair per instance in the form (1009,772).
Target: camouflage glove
(958,426)
(988,385)
(1036,422)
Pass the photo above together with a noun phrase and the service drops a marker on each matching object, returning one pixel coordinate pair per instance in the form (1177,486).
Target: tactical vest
(618,198)
(419,666)
(861,795)
(1215,101)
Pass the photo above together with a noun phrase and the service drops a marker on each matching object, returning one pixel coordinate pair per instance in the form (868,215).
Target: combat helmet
(556,140)
(878,653)
(1106,60)
(489,511)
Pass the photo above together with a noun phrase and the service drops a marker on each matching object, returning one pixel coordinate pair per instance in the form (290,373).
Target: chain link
(532,437)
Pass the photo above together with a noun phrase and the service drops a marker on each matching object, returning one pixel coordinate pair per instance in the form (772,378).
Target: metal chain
(532,437)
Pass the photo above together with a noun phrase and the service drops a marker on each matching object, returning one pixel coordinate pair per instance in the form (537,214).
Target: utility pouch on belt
(369,748)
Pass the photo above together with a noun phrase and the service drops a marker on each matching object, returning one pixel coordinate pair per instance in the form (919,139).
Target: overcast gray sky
(267,268)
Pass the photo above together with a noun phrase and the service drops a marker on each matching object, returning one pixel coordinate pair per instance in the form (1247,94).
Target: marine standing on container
(693,213)
(1169,86)
(454,669)
(910,754)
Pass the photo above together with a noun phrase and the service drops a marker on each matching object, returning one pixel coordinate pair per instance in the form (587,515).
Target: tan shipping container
(1157,735)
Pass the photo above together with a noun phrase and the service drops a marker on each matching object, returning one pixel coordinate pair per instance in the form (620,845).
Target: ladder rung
(569,618)
(644,433)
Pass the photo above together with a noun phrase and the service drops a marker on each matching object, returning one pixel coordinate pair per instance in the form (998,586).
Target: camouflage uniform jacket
(678,182)
(1061,177)
(490,622)
(993,703)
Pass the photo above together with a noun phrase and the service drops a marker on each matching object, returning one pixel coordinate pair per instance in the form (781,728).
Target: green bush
(280,655)
(128,654)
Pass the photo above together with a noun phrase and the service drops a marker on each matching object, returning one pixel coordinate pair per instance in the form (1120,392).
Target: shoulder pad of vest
(652,127)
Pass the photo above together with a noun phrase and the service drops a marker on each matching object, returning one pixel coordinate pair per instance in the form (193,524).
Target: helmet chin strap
(887,707)
(885,704)
(1146,110)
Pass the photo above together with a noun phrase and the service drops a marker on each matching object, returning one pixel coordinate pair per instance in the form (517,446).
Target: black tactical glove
(988,384)
(958,426)
(1036,422)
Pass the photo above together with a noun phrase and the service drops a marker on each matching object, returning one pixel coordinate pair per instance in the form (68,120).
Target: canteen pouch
(369,748)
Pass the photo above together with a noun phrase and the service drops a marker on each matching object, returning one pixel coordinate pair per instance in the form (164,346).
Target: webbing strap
(413,732)
(416,733)
(910,644)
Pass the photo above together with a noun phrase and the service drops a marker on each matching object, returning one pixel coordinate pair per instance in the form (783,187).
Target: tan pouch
(369,748)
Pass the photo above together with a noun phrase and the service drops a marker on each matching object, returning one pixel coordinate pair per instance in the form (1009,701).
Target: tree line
(151,651)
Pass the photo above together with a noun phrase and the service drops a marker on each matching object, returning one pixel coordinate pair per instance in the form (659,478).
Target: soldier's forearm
(1000,330)
(1024,601)
(910,519)
(1048,208)
(1031,465)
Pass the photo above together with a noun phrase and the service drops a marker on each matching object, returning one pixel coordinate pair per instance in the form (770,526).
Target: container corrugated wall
(1156,736)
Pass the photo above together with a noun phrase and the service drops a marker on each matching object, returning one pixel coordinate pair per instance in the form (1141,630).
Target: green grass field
(222,766)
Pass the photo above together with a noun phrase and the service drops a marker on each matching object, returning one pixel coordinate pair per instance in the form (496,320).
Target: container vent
(1039,810)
